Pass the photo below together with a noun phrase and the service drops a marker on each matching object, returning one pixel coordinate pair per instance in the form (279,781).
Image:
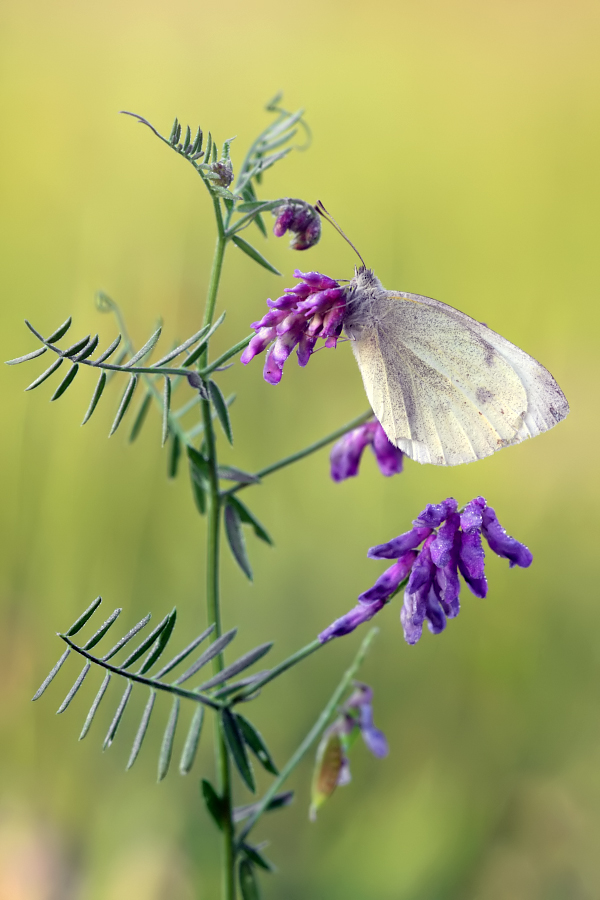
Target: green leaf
(248,883)
(250,519)
(218,401)
(167,622)
(214,803)
(173,135)
(197,145)
(87,351)
(215,648)
(255,856)
(237,748)
(53,672)
(49,371)
(109,351)
(244,662)
(236,540)
(126,638)
(192,740)
(84,617)
(60,331)
(260,224)
(198,465)
(94,706)
(269,146)
(251,205)
(166,748)
(125,401)
(143,728)
(256,743)
(250,251)
(161,642)
(110,736)
(97,637)
(199,496)
(75,688)
(174,456)
(166,410)
(208,149)
(95,397)
(183,654)
(140,417)
(278,802)
(76,347)
(67,380)
(231,473)
(33,355)
(187,139)
(148,346)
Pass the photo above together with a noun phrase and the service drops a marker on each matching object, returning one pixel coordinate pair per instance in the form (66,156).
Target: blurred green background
(458,145)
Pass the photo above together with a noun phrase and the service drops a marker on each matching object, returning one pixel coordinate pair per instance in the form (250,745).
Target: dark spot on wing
(484,395)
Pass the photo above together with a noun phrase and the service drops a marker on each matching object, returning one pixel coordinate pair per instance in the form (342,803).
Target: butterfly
(445,388)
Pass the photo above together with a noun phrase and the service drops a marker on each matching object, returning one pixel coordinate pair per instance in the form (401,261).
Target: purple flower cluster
(451,543)
(332,767)
(346,453)
(310,310)
(302,220)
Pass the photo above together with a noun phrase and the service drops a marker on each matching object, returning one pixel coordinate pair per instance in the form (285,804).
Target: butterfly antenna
(329,218)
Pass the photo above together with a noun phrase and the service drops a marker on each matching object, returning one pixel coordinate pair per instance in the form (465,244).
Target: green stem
(312,448)
(233,351)
(215,275)
(213,517)
(315,732)
(278,670)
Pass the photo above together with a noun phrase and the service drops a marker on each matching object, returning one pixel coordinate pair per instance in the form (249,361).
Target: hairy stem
(312,736)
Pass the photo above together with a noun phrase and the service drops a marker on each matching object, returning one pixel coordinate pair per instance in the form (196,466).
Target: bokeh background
(458,144)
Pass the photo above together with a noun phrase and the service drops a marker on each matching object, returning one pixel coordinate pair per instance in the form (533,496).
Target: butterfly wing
(448,389)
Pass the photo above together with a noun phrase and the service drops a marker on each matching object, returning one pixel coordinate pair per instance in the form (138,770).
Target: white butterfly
(446,389)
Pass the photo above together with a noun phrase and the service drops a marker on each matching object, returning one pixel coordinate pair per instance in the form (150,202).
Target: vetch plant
(443,389)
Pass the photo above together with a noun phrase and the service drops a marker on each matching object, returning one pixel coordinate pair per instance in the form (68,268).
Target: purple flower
(346,453)
(362,701)
(310,310)
(502,544)
(451,543)
(302,220)
(332,765)
(358,615)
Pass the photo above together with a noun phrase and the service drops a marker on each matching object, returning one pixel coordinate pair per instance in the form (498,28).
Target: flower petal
(355,617)
(389,458)
(397,547)
(387,583)
(502,543)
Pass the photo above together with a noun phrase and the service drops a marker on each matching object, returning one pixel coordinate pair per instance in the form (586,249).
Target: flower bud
(302,220)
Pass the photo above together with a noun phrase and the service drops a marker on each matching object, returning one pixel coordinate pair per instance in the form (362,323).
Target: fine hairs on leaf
(192,740)
(166,748)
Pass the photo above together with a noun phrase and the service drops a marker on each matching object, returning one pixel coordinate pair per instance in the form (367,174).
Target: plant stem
(278,670)
(233,351)
(312,448)
(213,517)
(315,732)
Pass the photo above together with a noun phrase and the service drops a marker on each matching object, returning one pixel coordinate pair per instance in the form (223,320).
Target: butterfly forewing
(446,389)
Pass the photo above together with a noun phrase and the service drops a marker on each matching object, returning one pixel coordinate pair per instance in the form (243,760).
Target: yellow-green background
(458,144)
